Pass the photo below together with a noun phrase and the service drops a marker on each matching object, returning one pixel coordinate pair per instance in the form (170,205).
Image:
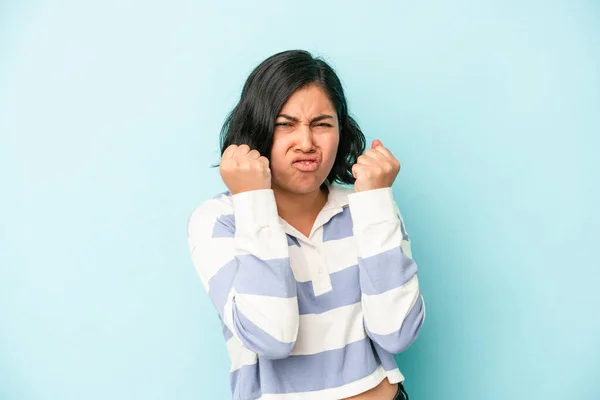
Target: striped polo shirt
(315,317)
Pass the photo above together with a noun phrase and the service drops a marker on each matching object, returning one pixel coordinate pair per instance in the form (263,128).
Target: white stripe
(405,243)
(310,264)
(340,392)
(239,355)
(299,264)
(258,230)
(340,254)
(386,311)
(228,312)
(330,330)
(213,255)
(266,243)
(373,240)
(208,254)
(259,308)
(334,255)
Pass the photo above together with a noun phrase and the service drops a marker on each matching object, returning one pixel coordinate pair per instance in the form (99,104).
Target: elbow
(275,344)
(398,342)
(275,351)
(267,346)
(401,339)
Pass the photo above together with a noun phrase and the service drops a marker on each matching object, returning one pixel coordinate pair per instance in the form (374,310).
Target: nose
(305,141)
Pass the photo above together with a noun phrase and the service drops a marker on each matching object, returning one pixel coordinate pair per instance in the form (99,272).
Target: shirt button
(320,270)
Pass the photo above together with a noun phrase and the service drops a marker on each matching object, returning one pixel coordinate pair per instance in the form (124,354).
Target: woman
(313,281)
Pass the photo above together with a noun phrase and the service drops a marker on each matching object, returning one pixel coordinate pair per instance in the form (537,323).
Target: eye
(283,124)
(324,124)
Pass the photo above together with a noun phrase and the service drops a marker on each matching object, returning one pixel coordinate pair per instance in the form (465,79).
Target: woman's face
(305,141)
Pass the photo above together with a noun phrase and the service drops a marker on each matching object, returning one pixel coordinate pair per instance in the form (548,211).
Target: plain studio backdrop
(109,120)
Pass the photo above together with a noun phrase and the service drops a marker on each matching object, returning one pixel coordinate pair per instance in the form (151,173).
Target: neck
(293,206)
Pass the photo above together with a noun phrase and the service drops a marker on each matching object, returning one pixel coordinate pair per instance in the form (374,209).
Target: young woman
(312,279)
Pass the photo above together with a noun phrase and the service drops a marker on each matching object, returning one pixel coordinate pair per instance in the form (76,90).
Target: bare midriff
(384,391)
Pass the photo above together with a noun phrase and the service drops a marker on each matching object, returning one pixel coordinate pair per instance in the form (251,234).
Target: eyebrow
(312,121)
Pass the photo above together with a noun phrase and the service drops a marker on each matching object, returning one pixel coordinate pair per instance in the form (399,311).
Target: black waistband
(401,394)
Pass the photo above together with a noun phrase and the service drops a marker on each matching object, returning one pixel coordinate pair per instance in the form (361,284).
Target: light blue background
(109,118)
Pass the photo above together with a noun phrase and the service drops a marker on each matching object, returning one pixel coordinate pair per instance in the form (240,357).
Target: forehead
(311,99)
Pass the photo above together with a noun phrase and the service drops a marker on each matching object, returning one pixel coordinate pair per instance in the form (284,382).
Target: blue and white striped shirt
(315,317)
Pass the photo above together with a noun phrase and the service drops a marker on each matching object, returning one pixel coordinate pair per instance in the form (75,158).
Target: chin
(302,186)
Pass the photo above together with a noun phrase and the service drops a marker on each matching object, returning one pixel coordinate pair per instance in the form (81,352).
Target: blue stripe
(313,372)
(345,287)
(387,360)
(220,284)
(345,291)
(385,271)
(292,241)
(224,226)
(226,332)
(397,342)
(278,281)
(267,278)
(245,383)
(250,275)
(257,340)
(339,226)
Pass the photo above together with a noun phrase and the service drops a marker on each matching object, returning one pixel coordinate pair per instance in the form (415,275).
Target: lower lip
(306,166)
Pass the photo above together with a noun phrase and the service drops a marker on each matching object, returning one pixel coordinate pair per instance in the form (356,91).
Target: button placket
(321,279)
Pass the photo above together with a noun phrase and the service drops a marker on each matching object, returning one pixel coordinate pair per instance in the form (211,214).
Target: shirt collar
(337,199)
(338,196)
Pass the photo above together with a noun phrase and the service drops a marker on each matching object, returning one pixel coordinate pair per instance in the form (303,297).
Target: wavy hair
(266,90)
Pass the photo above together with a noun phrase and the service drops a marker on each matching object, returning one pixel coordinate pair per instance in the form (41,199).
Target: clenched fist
(377,168)
(243,169)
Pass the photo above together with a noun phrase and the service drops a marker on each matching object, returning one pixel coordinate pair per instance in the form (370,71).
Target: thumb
(376,143)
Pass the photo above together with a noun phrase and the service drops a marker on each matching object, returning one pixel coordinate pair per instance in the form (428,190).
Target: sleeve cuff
(372,207)
(255,209)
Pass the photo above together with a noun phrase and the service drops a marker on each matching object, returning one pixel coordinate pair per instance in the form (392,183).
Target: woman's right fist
(243,169)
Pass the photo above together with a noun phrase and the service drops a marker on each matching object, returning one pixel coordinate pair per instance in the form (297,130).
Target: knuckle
(224,165)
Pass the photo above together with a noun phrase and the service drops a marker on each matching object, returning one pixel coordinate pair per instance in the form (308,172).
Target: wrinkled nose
(306,141)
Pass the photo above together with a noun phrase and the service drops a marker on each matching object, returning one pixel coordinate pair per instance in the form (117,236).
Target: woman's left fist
(375,169)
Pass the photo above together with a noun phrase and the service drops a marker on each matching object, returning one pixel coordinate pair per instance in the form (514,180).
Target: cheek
(278,153)
(330,146)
